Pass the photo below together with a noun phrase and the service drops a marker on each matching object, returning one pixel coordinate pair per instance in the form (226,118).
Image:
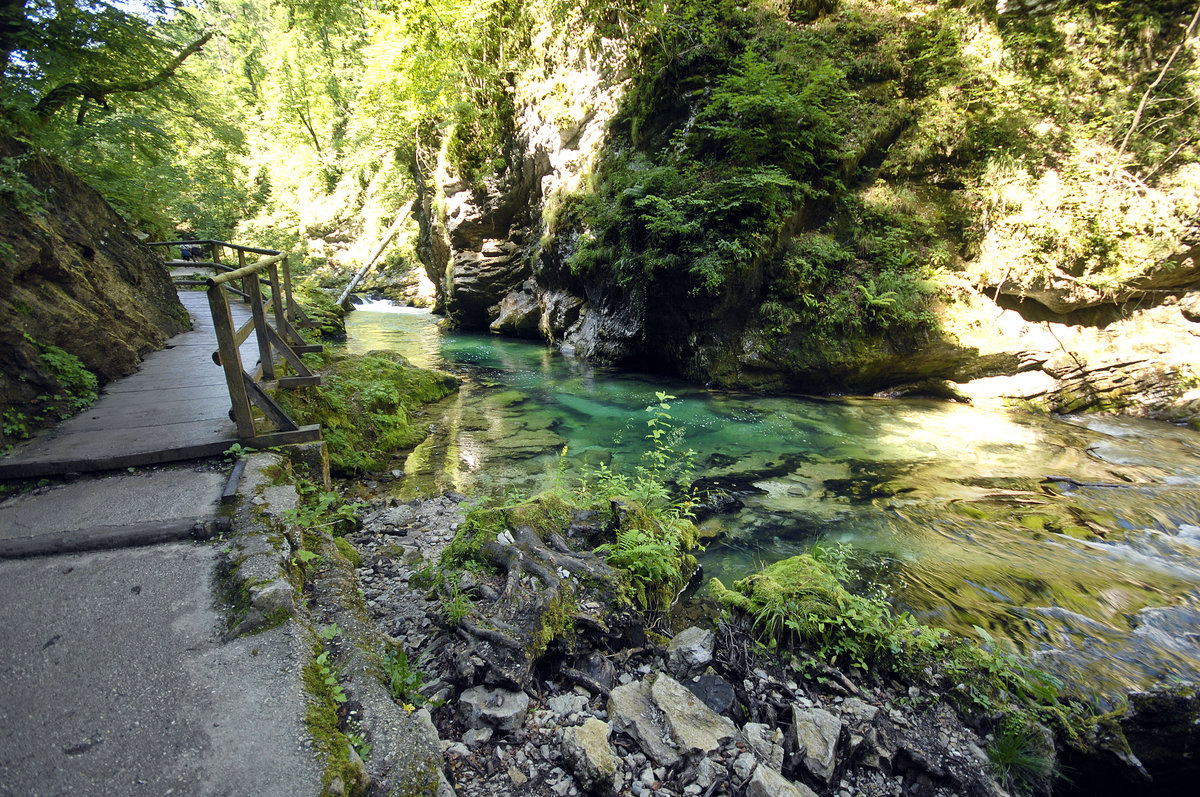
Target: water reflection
(1077,539)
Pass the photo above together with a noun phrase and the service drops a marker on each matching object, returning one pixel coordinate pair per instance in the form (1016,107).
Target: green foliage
(661,482)
(323,718)
(802,600)
(757,115)
(16,188)
(322,509)
(403,681)
(808,601)
(654,559)
(364,406)
(1019,759)
(329,677)
(77,382)
(76,389)
(655,534)
(237,451)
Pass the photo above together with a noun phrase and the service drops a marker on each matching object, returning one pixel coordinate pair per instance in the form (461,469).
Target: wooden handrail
(244,270)
(210,241)
(280,339)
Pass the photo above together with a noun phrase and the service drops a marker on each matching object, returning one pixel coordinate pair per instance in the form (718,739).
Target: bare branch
(98,93)
(1137,116)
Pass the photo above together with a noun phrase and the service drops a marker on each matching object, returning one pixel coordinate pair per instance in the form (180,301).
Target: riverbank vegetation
(366,406)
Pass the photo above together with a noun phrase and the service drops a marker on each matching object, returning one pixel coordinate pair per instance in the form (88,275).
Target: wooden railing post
(287,288)
(277,298)
(231,362)
(254,293)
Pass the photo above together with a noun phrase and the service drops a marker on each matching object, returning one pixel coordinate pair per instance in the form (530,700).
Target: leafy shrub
(403,681)
(802,600)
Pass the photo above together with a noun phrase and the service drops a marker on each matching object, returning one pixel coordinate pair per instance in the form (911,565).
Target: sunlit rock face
(490,248)
(73,275)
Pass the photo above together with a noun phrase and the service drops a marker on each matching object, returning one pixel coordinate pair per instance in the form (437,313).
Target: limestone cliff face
(72,275)
(490,249)
(1081,334)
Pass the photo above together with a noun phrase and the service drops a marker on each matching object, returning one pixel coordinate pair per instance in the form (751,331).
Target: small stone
(766,742)
(708,772)
(587,752)
(714,691)
(477,736)
(768,783)
(517,777)
(743,765)
(499,708)
(690,652)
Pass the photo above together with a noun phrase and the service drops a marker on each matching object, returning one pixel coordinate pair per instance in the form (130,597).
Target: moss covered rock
(82,300)
(365,406)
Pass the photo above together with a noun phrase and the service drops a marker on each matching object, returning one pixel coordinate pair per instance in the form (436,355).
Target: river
(1077,539)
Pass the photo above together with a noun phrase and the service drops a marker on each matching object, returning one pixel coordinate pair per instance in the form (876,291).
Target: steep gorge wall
(72,275)
(504,252)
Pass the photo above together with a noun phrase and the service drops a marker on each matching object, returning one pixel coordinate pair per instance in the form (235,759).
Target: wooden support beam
(231,363)
(305,434)
(309,348)
(288,354)
(260,321)
(264,402)
(299,381)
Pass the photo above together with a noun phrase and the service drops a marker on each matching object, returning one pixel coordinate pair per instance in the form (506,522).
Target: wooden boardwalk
(174,408)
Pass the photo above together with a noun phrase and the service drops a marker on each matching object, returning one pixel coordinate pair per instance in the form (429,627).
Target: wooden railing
(250,390)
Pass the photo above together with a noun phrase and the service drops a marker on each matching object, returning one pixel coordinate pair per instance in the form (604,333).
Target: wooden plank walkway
(174,408)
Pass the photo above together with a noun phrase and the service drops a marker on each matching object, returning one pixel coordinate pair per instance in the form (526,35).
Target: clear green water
(958,509)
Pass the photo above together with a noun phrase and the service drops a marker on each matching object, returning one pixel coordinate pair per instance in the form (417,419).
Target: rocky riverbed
(702,713)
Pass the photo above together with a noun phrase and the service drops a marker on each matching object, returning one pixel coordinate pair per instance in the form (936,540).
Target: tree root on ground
(550,593)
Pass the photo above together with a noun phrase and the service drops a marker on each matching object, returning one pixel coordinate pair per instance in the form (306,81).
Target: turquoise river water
(1076,538)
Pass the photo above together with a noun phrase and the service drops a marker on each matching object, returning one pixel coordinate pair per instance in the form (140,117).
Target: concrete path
(174,408)
(115,682)
(114,510)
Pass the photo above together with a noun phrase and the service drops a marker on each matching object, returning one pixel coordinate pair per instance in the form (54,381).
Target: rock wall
(72,275)
(1028,335)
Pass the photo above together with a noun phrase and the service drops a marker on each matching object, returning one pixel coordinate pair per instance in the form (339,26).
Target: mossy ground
(365,406)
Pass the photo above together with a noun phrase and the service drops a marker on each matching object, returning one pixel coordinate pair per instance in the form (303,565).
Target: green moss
(557,622)
(321,308)
(544,513)
(346,549)
(364,406)
(321,718)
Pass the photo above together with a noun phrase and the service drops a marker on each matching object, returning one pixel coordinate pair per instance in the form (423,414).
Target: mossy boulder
(365,406)
(800,587)
(321,308)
